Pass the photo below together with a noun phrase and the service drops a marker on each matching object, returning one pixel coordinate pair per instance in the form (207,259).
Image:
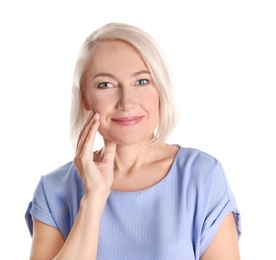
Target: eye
(105,85)
(141,82)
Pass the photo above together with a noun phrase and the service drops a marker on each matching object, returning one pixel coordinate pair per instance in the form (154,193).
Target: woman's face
(118,85)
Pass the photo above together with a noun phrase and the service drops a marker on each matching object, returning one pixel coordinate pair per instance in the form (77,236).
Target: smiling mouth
(127,121)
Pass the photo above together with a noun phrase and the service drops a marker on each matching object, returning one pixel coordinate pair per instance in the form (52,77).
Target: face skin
(118,85)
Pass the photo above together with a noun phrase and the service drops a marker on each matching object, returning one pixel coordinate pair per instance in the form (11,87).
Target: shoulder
(195,160)
(61,180)
(203,175)
(199,170)
(60,174)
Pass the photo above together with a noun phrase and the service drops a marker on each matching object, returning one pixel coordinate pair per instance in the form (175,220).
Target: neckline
(156,185)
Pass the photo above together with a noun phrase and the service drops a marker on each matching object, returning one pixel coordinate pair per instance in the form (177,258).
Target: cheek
(98,105)
(151,106)
(153,103)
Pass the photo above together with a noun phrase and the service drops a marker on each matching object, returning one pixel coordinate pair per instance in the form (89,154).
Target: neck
(133,156)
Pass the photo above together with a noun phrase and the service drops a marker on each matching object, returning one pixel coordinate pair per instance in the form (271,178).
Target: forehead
(115,53)
(113,46)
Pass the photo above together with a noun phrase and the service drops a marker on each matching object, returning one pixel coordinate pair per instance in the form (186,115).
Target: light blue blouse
(177,218)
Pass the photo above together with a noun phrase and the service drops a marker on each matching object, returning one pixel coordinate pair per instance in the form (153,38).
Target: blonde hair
(150,52)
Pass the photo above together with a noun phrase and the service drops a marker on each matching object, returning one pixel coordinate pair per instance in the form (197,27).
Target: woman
(138,197)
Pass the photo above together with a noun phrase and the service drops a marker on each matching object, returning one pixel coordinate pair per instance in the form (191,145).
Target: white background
(223,61)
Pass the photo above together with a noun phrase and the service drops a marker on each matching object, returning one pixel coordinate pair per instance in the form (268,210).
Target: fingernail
(96,115)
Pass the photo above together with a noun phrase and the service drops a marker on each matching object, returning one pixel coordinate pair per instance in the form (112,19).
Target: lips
(127,121)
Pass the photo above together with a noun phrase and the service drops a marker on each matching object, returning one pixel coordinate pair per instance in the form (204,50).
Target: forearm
(82,242)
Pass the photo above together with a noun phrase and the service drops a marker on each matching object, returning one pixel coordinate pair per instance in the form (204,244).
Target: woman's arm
(225,243)
(82,241)
(47,241)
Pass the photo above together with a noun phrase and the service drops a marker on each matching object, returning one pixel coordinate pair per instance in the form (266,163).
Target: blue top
(177,218)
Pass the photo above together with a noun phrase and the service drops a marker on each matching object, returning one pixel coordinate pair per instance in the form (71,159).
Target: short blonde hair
(150,52)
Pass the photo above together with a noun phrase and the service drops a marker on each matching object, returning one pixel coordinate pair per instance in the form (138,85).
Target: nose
(126,99)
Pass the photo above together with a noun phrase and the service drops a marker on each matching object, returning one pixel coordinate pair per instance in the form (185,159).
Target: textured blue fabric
(177,218)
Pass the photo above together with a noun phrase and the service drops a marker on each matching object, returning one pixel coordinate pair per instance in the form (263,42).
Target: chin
(128,139)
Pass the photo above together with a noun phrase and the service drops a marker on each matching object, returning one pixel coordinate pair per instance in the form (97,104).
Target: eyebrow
(134,74)
(105,75)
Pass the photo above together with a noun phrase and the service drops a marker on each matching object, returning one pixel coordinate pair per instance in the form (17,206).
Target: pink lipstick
(128,121)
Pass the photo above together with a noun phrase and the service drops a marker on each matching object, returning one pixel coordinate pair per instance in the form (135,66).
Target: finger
(110,152)
(91,121)
(84,151)
(87,122)
(88,142)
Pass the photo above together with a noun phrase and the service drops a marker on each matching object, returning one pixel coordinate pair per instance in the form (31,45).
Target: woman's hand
(96,176)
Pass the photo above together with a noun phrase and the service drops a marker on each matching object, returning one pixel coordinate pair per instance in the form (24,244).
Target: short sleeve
(217,201)
(56,199)
(39,208)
